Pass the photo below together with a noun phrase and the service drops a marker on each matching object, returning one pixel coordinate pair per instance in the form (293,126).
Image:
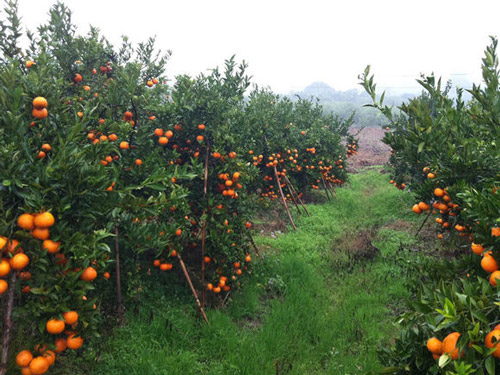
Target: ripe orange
(163,140)
(158,132)
(44,220)
(493,278)
(200,138)
(3,286)
(70,317)
(450,345)
(477,249)
(138,162)
(169,134)
(248,258)
(106,275)
(207,259)
(74,342)
(128,115)
(435,346)
(55,326)
(40,102)
(490,343)
(60,344)
(489,263)
(40,233)
(26,221)
(438,192)
(430,175)
(24,358)
(39,366)
(416,209)
(4,267)
(423,206)
(178,232)
(52,247)
(29,63)
(50,356)
(232,154)
(124,145)
(78,78)
(39,113)
(19,261)
(89,274)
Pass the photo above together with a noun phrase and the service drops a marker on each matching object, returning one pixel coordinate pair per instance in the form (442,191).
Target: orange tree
(446,151)
(103,162)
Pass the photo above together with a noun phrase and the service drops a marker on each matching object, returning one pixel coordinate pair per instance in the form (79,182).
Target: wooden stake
(186,274)
(423,223)
(7,323)
(118,279)
(326,188)
(203,230)
(297,195)
(283,198)
(293,199)
(255,247)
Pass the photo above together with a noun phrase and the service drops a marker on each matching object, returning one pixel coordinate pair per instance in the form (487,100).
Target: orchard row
(112,174)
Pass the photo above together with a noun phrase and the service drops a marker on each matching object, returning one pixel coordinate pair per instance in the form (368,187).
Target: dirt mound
(372,151)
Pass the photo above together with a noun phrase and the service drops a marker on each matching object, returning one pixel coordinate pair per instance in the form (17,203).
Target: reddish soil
(372,151)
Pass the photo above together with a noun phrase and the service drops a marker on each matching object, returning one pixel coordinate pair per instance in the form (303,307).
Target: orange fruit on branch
(44,220)
(55,326)
(39,366)
(24,358)
(40,102)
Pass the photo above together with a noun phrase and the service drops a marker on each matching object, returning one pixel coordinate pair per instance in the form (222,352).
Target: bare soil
(372,151)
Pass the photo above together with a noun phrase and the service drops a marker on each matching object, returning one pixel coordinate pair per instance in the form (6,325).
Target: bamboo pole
(186,274)
(118,278)
(204,229)
(293,199)
(7,323)
(283,198)
(255,247)
(326,188)
(298,197)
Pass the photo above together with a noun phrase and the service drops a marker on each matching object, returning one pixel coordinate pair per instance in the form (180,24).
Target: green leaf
(490,365)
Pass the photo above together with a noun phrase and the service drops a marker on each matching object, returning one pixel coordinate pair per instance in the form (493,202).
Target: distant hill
(344,103)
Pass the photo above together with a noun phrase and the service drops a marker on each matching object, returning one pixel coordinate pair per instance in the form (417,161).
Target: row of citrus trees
(446,151)
(106,171)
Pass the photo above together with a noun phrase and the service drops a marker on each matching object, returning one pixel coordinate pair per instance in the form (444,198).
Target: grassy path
(319,303)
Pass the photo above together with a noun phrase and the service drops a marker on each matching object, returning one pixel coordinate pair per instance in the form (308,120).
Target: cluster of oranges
(46,358)
(229,184)
(223,282)
(40,108)
(449,344)
(352,149)
(152,82)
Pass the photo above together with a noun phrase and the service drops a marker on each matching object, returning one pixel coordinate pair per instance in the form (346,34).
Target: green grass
(318,303)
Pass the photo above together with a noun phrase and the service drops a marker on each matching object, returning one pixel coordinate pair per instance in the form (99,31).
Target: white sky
(290,44)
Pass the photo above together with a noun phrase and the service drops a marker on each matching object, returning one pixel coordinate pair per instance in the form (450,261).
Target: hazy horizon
(289,45)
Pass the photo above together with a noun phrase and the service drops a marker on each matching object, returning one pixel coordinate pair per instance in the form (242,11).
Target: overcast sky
(290,44)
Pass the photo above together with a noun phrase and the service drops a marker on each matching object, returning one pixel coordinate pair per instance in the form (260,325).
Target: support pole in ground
(297,195)
(423,223)
(255,247)
(186,275)
(283,198)
(118,279)
(293,199)
(204,230)
(7,323)
(326,188)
